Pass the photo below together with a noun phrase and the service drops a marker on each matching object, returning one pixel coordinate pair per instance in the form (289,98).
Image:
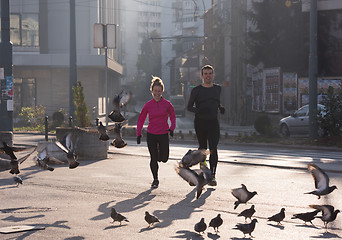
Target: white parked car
(298,122)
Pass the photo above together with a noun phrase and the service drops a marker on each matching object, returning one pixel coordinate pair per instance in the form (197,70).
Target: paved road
(75,204)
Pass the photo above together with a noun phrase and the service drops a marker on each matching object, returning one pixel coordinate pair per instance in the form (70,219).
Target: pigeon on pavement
(329,213)
(118,142)
(201,226)
(119,101)
(117,216)
(321,181)
(69,145)
(193,157)
(17,180)
(197,177)
(246,228)
(242,195)
(150,219)
(216,222)
(306,217)
(103,132)
(247,213)
(278,217)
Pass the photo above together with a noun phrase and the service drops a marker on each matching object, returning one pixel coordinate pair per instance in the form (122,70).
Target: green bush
(81,112)
(33,117)
(331,121)
(262,124)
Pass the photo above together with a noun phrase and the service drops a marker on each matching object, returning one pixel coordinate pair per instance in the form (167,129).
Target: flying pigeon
(329,213)
(321,181)
(8,150)
(68,145)
(118,142)
(198,177)
(247,213)
(15,162)
(201,226)
(278,217)
(42,160)
(193,157)
(150,219)
(242,195)
(306,217)
(216,222)
(17,180)
(117,216)
(246,228)
(119,101)
(103,132)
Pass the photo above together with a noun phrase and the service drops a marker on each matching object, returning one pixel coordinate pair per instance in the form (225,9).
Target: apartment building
(40,33)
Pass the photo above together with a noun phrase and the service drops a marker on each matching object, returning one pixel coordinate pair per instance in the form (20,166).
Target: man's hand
(222,109)
(139,139)
(171,132)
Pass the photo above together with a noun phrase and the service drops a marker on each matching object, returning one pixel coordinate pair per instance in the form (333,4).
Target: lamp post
(6,79)
(313,71)
(73,57)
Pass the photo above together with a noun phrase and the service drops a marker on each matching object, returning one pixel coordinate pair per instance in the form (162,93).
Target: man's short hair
(207,67)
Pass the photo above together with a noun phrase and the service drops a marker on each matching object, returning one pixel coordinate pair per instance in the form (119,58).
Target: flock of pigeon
(68,144)
(195,177)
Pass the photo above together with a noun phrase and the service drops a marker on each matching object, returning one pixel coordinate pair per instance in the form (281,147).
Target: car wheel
(284,130)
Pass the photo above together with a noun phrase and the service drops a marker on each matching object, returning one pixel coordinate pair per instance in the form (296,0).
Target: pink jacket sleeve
(141,120)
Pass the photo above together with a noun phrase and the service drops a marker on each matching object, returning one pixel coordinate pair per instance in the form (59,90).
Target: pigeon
(306,217)
(8,150)
(278,217)
(242,195)
(17,180)
(42,160)
(193,157)
(150,219)
(118,142)
(68,145)
(201,226)
(119,101)
(117,216)
(216,222)
(247,213)
(246,227)
(199,177)
(14,163)
(321,181)
(329,213)
(103,132)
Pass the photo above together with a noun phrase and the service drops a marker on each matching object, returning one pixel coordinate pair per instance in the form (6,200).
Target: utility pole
(6,78)
(73,57)
(313,71)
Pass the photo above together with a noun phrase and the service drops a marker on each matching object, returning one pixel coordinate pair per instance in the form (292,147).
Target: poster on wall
(273,85)
(289,92)
(322,88)
(257,91)
(9,87)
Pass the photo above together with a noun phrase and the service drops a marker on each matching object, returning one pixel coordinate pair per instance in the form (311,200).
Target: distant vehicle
(178,103)
(298,122)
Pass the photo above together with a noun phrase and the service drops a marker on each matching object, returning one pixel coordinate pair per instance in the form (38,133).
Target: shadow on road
(327,235)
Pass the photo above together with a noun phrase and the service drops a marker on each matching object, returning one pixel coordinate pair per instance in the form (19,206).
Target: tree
(81,111)
(279,37)
(331,120)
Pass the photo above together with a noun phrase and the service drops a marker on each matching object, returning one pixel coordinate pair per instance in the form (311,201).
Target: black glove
(222,109)
(171,132)
(139,139)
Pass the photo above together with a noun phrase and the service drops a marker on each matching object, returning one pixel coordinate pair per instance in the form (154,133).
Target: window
(24,30)
(25,94)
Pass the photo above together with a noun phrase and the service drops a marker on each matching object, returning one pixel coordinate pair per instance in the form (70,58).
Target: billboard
(289,92)
(272,90)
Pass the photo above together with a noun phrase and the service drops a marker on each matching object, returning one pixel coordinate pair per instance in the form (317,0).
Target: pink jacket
(158,114)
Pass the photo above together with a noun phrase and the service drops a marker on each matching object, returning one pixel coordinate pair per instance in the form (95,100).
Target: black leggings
(158,146)
(208,131)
